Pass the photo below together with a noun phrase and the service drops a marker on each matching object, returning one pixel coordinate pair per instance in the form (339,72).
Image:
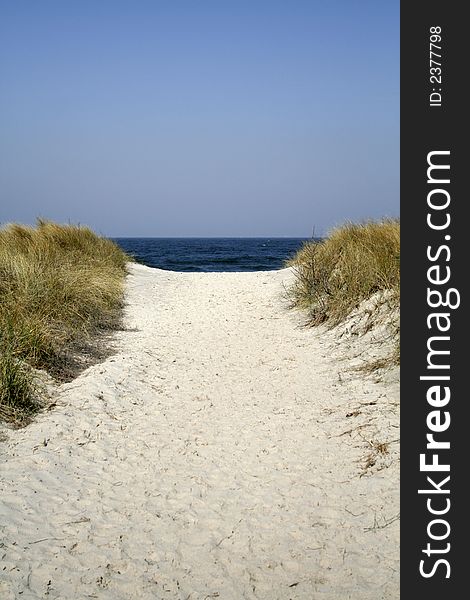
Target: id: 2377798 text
(435,66)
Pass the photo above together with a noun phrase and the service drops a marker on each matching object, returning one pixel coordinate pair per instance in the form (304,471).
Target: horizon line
(214,237)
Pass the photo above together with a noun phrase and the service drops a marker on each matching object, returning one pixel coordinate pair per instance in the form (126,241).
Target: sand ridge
(224,451)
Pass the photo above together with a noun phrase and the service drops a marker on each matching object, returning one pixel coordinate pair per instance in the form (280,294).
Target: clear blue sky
(207,118)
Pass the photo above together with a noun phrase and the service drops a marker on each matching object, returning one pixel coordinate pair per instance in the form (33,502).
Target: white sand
(211,457)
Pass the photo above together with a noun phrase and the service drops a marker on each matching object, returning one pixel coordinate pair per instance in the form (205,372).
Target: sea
(212,254)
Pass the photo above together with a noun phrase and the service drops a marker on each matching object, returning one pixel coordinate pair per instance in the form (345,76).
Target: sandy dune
(224,452)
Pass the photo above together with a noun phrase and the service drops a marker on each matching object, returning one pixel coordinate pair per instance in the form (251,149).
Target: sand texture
(223,451)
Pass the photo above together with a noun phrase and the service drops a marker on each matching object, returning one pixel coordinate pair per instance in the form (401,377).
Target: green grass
(351,265)
(60,285)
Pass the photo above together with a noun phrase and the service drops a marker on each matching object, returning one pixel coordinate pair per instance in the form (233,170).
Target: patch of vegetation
(355,262)
(60,285)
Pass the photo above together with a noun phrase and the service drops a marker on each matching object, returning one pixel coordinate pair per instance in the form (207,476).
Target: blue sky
(208,118)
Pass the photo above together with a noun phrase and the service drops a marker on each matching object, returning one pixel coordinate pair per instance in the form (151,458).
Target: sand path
(217,454)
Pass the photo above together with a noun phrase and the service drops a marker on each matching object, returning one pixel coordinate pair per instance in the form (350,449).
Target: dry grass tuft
(59,286)
(355,262)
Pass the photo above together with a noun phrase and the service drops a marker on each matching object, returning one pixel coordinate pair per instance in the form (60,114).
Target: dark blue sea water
(211,254)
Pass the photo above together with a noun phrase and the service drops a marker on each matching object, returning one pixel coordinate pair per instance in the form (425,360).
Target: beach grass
(354,263)
(60,286)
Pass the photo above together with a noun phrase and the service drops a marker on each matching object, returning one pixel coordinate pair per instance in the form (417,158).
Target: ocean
(212,254)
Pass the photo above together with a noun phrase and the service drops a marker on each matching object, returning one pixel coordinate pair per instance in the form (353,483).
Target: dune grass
(60,285)
(351,265)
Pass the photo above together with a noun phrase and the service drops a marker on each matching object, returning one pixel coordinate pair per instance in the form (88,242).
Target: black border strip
(427,128)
